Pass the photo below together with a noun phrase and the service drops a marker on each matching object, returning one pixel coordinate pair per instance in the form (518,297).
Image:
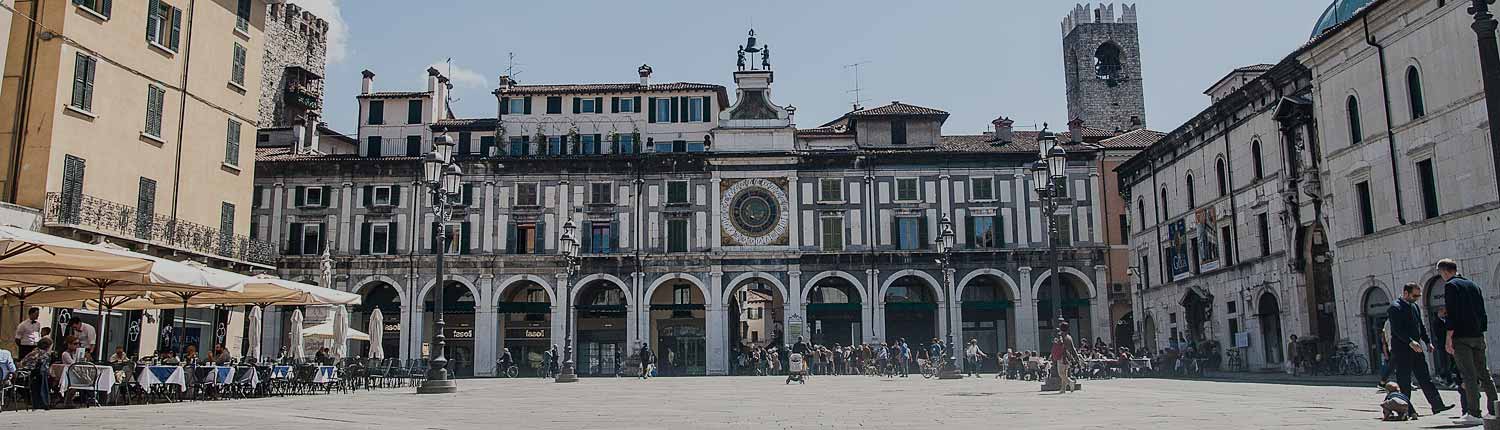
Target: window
(983,188)
(601,237)
(1365,206)
(909,232)
(382,196)
(232,143)
(626,105)
(831,190)
(1428,179)
(898,132)
(518,107)
(101,7)
(1356,132)
(833,232)
(237,66)
(83,82)
(372,146)
(1191,198)
(380,239)
(377,112)
(554,105)
(677,235)
(414,111)
(527,194)
(525,239)
(311,240)
(145,208)
(242,16)
(164,26)
(906,190)
(519,146)
(1263,225)
(155,101)
(1223,175)
(626,144)
(1414,93)
(600,193)
(984,233)
(695,109)
(312,196)
(1255,158)
(663,110)
(677,192)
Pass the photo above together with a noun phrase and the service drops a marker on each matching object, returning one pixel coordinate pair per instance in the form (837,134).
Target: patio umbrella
(296,348)
(341,332)
(253,323)
(377,334)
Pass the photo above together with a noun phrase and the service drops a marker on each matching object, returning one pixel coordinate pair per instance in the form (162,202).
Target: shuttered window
(232,144)
(155,101)
(83,81)
(237,68)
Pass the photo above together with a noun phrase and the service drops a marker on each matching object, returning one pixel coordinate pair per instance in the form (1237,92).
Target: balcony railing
(106,217)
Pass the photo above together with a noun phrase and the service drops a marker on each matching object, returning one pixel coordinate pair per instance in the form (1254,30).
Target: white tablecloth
(156,375)
(104,383)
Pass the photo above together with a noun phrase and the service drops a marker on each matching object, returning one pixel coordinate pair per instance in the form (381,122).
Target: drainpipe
(23,108)
(1390,133)
(187,57)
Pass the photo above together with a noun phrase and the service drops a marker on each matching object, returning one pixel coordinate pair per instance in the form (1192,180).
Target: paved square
(764,402)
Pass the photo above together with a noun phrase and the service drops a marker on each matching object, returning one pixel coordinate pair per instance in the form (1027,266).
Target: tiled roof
(285,153)
(605,88)
(1134,139)
(897,108)
(394,94)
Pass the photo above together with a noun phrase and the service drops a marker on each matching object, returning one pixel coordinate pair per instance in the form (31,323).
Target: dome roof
(1337,13)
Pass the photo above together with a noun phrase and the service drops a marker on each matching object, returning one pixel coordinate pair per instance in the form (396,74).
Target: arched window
(1107,61)
(1223,173)
(1414,92)
(1192,199)
(1164,214)
(1356,131)
(1260,171)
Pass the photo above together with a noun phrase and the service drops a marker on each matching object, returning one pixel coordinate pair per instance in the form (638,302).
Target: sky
(976,59)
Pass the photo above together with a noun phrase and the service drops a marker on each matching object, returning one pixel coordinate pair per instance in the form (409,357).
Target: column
(1099,305)
(486,326)
(1026,324)
(715,322)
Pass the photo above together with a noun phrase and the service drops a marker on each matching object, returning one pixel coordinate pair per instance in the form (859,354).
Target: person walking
(1064,354)
(1410,345)
(1467,323)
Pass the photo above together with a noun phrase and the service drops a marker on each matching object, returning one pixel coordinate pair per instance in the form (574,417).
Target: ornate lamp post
(948,369)
(569,248)
(1049,176)
(442,177)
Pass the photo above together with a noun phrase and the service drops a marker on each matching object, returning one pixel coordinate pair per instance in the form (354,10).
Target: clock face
(754,213)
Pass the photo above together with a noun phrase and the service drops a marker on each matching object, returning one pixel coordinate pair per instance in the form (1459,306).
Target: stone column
(486,328)
(1026,312)
(715,322)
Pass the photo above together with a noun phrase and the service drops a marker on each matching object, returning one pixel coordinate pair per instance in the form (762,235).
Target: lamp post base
(1052,383)
(438,386)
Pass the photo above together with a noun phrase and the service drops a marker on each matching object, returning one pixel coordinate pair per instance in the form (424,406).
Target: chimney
(1075,130)
(1005,131)
(432,79)
(645,72)
(368,83)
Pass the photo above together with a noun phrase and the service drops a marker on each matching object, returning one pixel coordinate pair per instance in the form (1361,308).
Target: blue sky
(974,59)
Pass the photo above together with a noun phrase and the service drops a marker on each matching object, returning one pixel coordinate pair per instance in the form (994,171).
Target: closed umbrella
(340,332)
(253,322)
(295,349)
(377,334)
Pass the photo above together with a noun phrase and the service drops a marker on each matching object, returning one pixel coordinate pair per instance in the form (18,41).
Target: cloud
(461,77)
(338,30)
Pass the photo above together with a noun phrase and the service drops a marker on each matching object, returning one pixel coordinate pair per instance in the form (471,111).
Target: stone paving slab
(766,403)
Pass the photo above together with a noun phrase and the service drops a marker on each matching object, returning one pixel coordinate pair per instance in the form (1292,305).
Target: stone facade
(1102,65)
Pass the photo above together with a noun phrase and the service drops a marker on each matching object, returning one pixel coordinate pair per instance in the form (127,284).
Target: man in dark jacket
(1409,347)
(1467,321)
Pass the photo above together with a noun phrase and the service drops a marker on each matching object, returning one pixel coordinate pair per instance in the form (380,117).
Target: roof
(897,108)
(395,94)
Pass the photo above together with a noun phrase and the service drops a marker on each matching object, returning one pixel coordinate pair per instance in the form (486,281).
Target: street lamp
(946,238)
(442,177)
(1049,176)
(569,248)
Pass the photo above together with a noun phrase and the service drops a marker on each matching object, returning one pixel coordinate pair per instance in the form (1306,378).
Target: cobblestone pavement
(765,403)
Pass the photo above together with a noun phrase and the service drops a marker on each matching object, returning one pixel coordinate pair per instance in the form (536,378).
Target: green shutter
(651,111)
(176,27)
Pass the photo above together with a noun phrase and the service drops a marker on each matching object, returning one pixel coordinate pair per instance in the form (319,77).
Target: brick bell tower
(1102,59)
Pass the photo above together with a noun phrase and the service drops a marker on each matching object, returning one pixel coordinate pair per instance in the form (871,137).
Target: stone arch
(1009,282)
(859,287)
(365,283)
(1088,284)
(473,289)
(511,281)
(937,287)
(732,284)
(584,281)
(707,296)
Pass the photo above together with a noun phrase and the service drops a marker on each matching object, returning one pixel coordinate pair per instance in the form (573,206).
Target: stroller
(796,369)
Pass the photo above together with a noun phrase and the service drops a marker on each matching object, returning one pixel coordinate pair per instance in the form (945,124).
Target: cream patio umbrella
(296,336)
(376,331)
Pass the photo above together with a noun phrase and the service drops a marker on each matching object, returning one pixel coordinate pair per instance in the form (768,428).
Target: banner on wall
(1177,250)
(1208,241)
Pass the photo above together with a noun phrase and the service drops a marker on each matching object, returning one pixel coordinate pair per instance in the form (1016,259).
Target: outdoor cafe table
(159,375)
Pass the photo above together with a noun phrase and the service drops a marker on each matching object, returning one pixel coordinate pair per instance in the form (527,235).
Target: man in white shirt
(28,332)
(85,333)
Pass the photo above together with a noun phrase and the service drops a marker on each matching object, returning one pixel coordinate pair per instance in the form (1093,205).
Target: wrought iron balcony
(102,216)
